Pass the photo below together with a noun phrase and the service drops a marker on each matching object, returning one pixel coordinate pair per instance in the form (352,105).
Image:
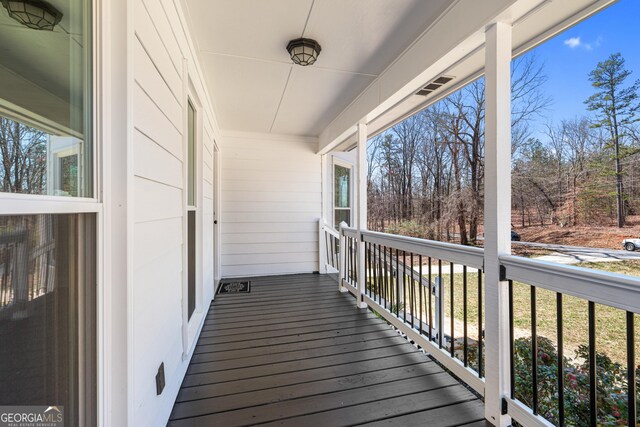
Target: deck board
(294,351)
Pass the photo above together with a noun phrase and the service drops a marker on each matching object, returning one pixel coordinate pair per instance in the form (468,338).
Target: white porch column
(497,217)
(322,244)
(361,220)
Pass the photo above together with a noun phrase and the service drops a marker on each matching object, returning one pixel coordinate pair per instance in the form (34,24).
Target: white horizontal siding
(158,185)
(154,162)
(271,203)
(285,236)
(257,228)
(266,218)
(253,269)
(150,120)
(270,196)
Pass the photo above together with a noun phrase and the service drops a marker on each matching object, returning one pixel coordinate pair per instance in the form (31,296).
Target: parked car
(631,244)
(515,237)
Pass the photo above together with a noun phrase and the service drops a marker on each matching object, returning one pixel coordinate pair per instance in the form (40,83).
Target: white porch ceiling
(253,84)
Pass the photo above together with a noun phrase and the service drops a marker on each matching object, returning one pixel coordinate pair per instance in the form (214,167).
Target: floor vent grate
(234,287)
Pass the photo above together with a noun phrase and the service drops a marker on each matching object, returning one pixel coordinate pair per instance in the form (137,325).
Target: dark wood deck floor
(296,352)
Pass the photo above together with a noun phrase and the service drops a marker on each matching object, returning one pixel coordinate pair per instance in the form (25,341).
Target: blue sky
(570,56)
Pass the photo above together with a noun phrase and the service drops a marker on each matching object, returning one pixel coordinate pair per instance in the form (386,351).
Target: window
(47,316)
(191,209)
(45,105)
(48,260)
(342,195)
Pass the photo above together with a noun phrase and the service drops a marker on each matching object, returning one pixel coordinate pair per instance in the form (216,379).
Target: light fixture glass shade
(35,14)
(304,51)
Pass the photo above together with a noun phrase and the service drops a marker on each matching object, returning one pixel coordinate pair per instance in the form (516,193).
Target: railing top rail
(615,290)
(349,232)
(465,255)
(329,229)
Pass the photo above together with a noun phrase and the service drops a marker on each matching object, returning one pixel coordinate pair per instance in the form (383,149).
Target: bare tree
(23,156)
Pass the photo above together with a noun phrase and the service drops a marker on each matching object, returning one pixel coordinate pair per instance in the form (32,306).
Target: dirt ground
(590,236)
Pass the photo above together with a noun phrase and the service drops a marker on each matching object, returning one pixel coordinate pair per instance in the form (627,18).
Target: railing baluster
(411,291)
(534,351)
(397,275)
(440,303)
(631,370)
(373,289)
(592,365)
(560,362)
(420,317)
(354,266)
(327,241)
(343,264)
(367,272)
(387,294)
(480,361)
(350,269)
(347,257)
(381,270)
(465,347)
(430,310)
(512,367)
(376,260)
(452,320)
(404,286)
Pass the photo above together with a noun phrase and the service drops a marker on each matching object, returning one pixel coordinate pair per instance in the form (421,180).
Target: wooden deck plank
(281,380)
(483,423)
(294,366)
(317,409)
(216,315)
(290,347)
(294,351)
(292,316)
(306,389)
(285,326)
(269,359)
(257,305)
(272,320)
(470,413)
(328,326)
(396,401)
(286,339)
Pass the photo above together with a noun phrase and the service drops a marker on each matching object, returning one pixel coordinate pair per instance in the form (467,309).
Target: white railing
(433,292)
(329,239)
(413,299)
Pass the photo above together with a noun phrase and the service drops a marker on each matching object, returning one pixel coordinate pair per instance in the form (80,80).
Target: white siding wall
(158,200)
(271,204)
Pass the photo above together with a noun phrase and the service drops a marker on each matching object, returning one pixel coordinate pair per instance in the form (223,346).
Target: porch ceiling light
(303,51)
(35,14)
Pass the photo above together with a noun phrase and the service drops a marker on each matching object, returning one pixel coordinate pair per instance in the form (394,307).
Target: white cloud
(599,41)
(577,42)
(573,42)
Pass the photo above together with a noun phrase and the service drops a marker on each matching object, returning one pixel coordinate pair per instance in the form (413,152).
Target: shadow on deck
(296,352)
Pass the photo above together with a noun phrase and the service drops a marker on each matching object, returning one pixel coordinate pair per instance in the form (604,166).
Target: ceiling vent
(434,85)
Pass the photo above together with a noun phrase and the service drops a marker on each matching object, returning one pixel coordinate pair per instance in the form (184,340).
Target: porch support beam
(361,220)
(497,217)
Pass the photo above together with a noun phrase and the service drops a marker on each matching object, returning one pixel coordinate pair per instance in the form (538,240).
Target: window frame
(349,166)
(190,324)
(91,364)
